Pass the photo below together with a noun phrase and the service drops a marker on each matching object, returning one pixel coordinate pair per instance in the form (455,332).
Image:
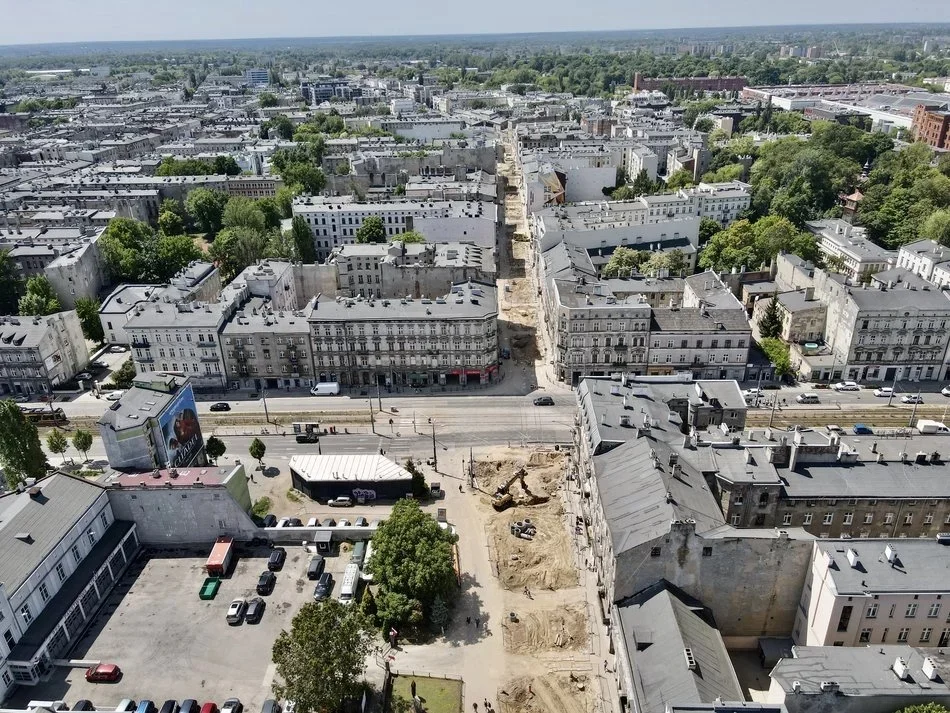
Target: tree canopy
(224,165)
(754,244)
(623,261)
(303,239)
(412,564)
(133,252)
(320,661)
(21,454)
(10,284)
(206,209)
(770,326)
(87,309)
(371,230)
(40,298)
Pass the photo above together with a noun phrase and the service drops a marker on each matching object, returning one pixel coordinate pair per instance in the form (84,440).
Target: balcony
(209,358)
(140,343)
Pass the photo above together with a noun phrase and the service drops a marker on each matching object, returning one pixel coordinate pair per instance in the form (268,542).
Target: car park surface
(172,645)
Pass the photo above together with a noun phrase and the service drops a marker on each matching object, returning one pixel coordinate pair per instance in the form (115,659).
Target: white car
(945,391)
(884,391)
(118,349)
(283,522)
(236,611)
(83,375)
(313,522)
(912,399)
(114,395)
(846,386)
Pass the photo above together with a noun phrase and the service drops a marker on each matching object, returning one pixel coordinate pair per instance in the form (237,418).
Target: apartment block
(38,354)
(932,127)
(850,246)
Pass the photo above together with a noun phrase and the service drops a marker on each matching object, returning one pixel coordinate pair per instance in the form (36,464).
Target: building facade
(38,354)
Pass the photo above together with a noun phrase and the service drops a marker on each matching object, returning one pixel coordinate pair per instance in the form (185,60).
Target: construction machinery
(504,499)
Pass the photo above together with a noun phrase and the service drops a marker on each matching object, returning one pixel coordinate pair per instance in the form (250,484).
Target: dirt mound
(546,694)
(564,628)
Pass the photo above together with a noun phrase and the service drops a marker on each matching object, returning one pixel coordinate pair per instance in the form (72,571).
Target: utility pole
(264,399)
(379,396)
(890,396)
(435,457)
(913,414)
(372,419)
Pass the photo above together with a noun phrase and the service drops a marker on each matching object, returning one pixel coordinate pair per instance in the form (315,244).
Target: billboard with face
(181,433)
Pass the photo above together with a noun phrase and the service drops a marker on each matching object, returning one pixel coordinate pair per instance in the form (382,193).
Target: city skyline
(118,20)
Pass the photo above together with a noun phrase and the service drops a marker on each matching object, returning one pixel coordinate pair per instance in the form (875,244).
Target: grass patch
(293,496)
(439,695)
(261,506)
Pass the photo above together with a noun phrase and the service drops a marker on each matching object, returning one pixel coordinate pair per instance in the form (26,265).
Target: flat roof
(171,477)
(351,468)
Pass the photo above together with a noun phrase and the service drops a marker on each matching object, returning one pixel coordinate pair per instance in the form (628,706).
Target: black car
(270,520)
(307,438)
(221,406)
(276,561)
(169,706)
(294,522)
(266,582)
(316,567)
(189,705)
(270,706)
(324,587)
(255,610)
(544,401)
(83,705)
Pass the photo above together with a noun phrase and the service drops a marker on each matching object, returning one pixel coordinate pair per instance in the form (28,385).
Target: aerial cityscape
(425,362)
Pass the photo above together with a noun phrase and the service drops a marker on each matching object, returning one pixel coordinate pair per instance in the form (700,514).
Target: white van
(807,399)
(328,388)
(351,581)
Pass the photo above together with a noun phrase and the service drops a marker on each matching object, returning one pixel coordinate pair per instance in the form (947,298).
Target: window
(848,517)
(787,518)
(7,678)
(909,518)
(26,614)
(872,611)
(8,637)
(734,521)
(929,518)
(707,551)
(902,636)
(61,572)
(845,619)
(737,500)
(925,635)
(92,537)
(76,556)
(865,636)
(654,552)
(828,518)
(888,518)
(934,611)
(44,591)
(807,519)
(911,610)
(868,518)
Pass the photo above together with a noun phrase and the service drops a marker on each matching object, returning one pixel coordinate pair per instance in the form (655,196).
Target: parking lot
(171,644)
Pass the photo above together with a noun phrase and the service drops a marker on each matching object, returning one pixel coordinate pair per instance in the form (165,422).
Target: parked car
(270,706)
(270,520)
(220,406)
(315,567)
(118,349)
(275,562)
(169,706)
(859,429)
(145,706)
(103,673)
(236,611)
(912,399)
(945,391)
(83,375)
(307,438)
(808,398)
(115,395)
(126,705)
(294,522)
(544,401)
(255,610)
(21,399)
(324,587)
(283,522)
(209,707)
(344,501)
(232,705)
(361,522)
(266,582)
(189,705)
(328,522)
(343,523)
(832,428)
(83,704)
(313,522)
(884,392)
(846,386)
(99,364)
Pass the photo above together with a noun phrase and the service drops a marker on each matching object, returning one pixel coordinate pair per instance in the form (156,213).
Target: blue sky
(24,22)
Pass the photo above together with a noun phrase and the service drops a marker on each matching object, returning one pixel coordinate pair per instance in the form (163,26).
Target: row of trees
(373,230)
(623,261)
(752,244)
(220,165)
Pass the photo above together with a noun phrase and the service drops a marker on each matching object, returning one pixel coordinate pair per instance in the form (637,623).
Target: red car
(103,673)
(209,708)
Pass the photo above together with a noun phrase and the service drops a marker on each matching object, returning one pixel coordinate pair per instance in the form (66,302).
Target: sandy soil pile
(546,694)
(564,628)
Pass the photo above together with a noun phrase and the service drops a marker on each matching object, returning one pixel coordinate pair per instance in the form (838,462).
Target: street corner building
(364,478)
(154,425)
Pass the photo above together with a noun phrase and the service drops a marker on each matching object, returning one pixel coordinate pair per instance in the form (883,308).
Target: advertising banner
(181,433)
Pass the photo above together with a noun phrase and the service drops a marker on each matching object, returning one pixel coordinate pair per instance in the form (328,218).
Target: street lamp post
(372,418)
(435,457)
(264,400)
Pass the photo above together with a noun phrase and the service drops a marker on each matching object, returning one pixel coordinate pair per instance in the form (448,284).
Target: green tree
(623,261)
(40,299)
(753,244)
(777,352)
(170,223)
(215,448)
(411,236)
(371,230)
(257,449)
(225,165)
(241,212)
(321,660)
(835,263)
(770,326)
(271,212)
(21,454)
(172,253)
(680,179)
(56,442)
(707,228)
(87,309)
(303,239)
(930,707)
(732,172)
(285,202)
(206,209)
(266,100)
(128,247)
(303,177)
(937,227)
(10,284)
(704,124)
(412,564)
(440,614)
(420,489)
(123,376)
(235,249)
(280,245)
(82,442)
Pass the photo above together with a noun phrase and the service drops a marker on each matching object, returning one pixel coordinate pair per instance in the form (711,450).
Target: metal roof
(354,468)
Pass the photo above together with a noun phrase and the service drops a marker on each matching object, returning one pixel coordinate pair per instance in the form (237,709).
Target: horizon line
(921,23)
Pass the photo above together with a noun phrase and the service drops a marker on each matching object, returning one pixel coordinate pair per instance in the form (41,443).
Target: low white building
(859,257)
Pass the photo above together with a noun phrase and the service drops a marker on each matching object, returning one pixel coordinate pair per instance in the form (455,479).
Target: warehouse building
(364,478)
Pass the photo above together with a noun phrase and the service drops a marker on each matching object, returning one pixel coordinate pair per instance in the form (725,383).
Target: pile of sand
(546,694)
(564,628)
